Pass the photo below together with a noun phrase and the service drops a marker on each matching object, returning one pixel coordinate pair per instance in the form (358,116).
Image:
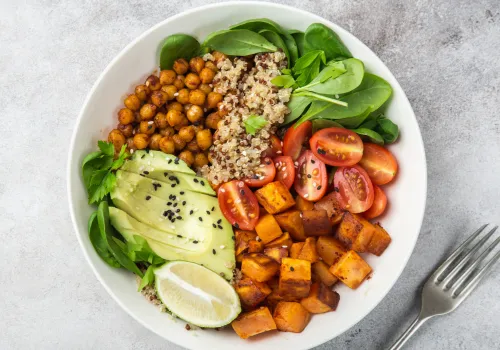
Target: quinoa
(149,293)
(247,89)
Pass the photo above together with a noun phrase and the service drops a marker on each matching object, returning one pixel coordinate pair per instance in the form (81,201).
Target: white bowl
(406,195)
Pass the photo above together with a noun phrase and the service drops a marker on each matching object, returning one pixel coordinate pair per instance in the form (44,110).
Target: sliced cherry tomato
(275,149)
(263,175)
(379,163)
(379,204)
(337,146)
(285,171)
(354,188)
(311,179)
(238,204)
(296,138)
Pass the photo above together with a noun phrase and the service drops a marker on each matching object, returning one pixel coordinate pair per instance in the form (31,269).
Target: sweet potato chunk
(303,204)
(268,229)
(321,299)
(251,293)
(380,241)
(316,223)
(291,222)
(254,322)
(277,253)
(255,247)
(275,197)
(351,269)
(242,238)
(330,249)
(355,232)
(291,317)
(296,249)
(274,298)
(332,206)
(321,273)
(308,251)
(259,267)
(295,278)
(283,241)
(239,257)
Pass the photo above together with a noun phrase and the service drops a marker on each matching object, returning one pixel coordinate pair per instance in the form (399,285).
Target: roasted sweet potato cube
(291,222)
(351,269)
(274,298)
(255,247)
(275,197)
(251,292)
(259,267)
(268,229)
(296,249)
(308,251)
(316,223)
(239,257)
(332,206)
(380,241)
(291,317)
(242,238)
(303,204)
(295,278)
(277,253)
(254,322)
(284,241)
(321,299)
(329,249)
(320,272)
(355,232)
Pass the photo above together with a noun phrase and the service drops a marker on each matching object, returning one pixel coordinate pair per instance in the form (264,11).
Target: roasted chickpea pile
(175,112)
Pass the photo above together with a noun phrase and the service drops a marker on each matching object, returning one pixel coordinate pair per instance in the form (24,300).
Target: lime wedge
(196,294)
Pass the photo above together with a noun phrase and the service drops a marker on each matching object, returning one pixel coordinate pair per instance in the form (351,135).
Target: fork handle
(409,332)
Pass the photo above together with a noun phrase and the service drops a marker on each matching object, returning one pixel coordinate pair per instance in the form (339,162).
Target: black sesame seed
(236,225)
(175,205)
(148,198)
(291,268)
(219,226)
(183,202)
(169,161)
(178,211)
(242,192)
(321,151)
(208,212)
(191,212)
(173,220)
(143,156)
(268,162)
(179,236)
(213,208)
(309,176)
(165,213)
(214,252)
(171,178)
(174,197)
(195,180)
(165,174)
(313,161)
(219,221)
(142,175)
(169,203)
(214,225)
(200,218)
(182,192)
(179,218)
(173,185)
(233,238)
(202,183)
(146,172)
(195,242)
(318,188)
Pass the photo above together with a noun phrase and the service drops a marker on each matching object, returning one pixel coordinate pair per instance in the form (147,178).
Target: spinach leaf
(294,31)
(258,24)
(177,46)
(276,39)
(300,42)
(309,74)
(315,108)
(387,129)
(148,279)
(297,105)
(356,121)
(238,42)
(328,73)
(371,135)
(308,59)
(100,245)
(291,47)
(284,80)
(321,98)
(318,124)
(320,37)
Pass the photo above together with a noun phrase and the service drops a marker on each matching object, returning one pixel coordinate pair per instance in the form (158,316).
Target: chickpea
(148,111)
(196,64)
(130,144)
(167,77)
(142,92)
(161,120)
(170,90)
(132,102)
(204,139)
(141,141)
(193,146)
(126,116)
(192,81)
(126,130)
(210,157)
(213,99)
(197,126)
(176,106)
(178,142)
(186,133)
(207,75)
(222,111)
(205,88)
(147,127)
(155,142)
(117,138)
(153,82)
(183,96)
(181,66)
(213,120)
(167,145)
(184,122)
(200,160)
(194,113)
(187,157)
(179,82)
(174,117)
(186,107)
(218,56)
(159,98)
(211,65)
(168,131)
(197,97)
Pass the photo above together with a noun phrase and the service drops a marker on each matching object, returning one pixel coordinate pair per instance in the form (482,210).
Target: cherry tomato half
(337,146)
(379,204)
(238,204)
(354,188)
(275,149)
(285,171)
(379,163)
(295,139)
(263,175)
(311,179)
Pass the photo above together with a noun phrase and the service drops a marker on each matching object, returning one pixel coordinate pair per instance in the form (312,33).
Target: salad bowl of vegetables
(250,168)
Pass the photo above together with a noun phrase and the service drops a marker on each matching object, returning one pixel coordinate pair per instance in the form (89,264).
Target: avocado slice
(160,160)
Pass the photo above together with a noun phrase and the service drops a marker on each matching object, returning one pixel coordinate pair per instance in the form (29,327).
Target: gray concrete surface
(445,54)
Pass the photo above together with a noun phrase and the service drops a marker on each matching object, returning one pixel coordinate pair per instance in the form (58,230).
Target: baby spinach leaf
(178,46)
(318,124)
(315,108)
(308,59)
(148,279)
(342,83)
(300,42)
(291,47)
(322,98)
(100,245)
(306,75)
(277,40)
(239,42)
(370,135)
(258,24)
(387,129)
(356,121)
(294,31)
(254,123)
(297,105)
(320,37)
(328,73)
(284,80)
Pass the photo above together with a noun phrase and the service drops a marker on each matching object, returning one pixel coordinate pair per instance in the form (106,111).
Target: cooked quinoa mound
(247,89)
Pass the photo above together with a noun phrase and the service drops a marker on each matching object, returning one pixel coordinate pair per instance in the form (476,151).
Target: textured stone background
(445,54)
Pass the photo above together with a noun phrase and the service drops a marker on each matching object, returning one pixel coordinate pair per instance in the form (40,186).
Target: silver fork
(453,281)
